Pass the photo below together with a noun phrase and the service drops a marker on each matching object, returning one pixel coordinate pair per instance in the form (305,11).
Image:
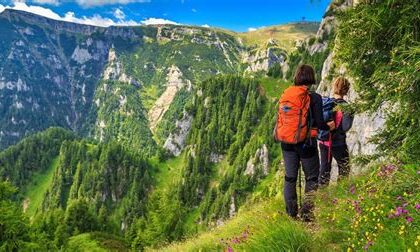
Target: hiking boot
(306,212)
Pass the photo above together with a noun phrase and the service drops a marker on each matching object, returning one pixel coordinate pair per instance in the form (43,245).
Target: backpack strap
(338,118)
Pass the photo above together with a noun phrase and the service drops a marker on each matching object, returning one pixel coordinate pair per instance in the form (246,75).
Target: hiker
(299,116)
(336,146)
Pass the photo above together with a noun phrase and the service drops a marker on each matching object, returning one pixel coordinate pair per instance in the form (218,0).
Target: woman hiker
(299,117)
(336,146)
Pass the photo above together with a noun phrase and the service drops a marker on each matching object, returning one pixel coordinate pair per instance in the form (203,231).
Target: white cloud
(251,29)
(193,10)
(156,21)
(91,3)
(96,20)
(36,10)
(119,14)
(206,26)
(49,2)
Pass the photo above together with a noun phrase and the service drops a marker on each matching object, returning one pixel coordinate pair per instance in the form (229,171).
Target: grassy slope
(35,191)
(96,242)
(168,172)
(350,215)
(274,87)
(286,35)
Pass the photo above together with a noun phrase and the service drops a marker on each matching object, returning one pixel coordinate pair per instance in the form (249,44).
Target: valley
(159,137)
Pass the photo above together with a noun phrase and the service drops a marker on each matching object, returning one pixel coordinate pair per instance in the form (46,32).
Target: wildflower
(416,243)
(417,206)
(352,189)
(409,219)
(230,249)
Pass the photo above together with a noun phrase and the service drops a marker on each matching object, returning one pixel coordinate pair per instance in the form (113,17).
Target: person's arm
(317,112)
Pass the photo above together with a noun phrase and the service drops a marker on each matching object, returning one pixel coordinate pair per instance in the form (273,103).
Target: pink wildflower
(409,219)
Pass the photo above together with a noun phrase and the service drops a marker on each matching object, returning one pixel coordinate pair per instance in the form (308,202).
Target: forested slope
(221,189)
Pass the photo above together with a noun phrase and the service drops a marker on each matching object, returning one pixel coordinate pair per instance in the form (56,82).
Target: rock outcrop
(175,142)
(262,59)
(259,161)
(366,124)
(174,83)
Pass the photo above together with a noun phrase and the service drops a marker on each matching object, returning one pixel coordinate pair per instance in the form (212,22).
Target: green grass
(274,87)
(96,242)
(168,172)
(360,212)
(149,95)
(349,215)
(34,192)
(260,227)
(286,35)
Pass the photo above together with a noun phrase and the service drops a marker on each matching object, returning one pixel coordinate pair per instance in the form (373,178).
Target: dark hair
(305,75)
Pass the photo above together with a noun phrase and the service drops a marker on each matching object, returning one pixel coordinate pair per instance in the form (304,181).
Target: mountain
(168,144)
(55,73)
(130,97)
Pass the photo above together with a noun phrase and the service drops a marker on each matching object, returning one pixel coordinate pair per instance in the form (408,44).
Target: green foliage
(31,156)
(164,214)
(49,230)
(225,115)
(111,177)
(174,113)
(275,71)
(273,87)
(35,191)
(233,119)
(96,241)
(302,56)
(379,42)
(376,211)
(123,117)
(14,235)
(79,218)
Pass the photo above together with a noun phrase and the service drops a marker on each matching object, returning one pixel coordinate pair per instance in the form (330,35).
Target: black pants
(341,155)
(293,156)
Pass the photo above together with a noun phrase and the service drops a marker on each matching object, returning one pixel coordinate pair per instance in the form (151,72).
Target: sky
(237,15)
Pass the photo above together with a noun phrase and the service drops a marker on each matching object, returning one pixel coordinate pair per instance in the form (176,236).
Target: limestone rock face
(175,142)
(259,161)
(174,83)
(263,59)
(365,125)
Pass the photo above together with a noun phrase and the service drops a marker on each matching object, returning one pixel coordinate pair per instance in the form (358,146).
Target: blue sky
(230,14)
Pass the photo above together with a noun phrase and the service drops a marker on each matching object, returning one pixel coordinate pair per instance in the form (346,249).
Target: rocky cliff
(366,124)
(96,81)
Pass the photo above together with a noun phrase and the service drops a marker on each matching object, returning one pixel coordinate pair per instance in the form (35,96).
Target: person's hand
(331,124)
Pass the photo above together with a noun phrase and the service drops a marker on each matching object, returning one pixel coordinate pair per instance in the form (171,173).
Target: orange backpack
(292,117)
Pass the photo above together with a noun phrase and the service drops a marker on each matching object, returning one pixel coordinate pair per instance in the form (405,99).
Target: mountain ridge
(71,59)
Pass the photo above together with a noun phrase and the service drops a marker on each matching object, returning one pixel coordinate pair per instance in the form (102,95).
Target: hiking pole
(300,187)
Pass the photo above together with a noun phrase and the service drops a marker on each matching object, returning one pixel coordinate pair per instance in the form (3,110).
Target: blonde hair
(341,86)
